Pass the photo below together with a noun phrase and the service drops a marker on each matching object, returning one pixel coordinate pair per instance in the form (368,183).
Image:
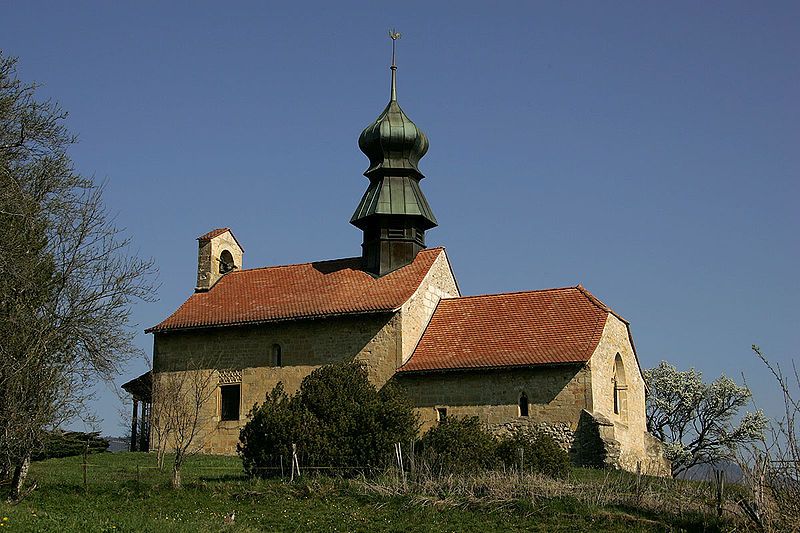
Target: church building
(556,360)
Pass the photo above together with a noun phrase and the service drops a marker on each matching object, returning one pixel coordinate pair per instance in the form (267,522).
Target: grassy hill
(124,492)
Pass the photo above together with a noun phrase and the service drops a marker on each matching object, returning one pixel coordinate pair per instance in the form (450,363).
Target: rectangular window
(441,414)
(229,401)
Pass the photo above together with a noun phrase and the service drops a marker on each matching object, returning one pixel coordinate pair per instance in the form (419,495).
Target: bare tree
(771,466)
(180,413)
(67,277)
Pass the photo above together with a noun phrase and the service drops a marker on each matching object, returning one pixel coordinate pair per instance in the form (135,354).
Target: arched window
(620,389)
(226,263)
(277,359)
(523,404)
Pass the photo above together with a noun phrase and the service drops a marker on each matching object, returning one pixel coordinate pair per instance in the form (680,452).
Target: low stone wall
(559,432)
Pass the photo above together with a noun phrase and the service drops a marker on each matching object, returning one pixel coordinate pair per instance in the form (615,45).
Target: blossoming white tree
(697,421)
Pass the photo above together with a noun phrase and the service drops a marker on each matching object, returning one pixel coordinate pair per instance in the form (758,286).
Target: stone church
(559,360)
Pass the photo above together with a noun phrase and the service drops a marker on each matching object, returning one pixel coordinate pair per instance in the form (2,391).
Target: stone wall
(556,394)
(560,432)
(417,311)
(629,423)
(596,445)
(305,345)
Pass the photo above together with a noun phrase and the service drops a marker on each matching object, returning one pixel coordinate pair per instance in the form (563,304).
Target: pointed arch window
(523,404)
(620,389)
(277,356)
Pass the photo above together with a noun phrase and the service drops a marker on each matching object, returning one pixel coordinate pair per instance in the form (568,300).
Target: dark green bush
(69,443)
(533,451)
(458,445)
(274,425)
(336,419)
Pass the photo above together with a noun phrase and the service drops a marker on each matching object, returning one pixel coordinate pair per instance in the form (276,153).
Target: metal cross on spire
(394,35)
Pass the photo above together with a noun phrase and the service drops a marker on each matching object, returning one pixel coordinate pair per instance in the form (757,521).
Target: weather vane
(394,35)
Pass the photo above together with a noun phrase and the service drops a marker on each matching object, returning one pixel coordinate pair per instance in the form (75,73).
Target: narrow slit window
(523,404)
(230,396)
(277,356)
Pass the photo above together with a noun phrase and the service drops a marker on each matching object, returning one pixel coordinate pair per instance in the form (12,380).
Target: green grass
(125,492)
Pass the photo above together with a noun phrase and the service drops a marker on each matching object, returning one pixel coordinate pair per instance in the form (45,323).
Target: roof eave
(156,329)
(487,367)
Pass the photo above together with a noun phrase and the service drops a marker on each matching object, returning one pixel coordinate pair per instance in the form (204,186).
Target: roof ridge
(288,265)
(511,293)
(318,262)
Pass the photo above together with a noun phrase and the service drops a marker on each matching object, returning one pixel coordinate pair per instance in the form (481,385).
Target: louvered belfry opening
(393,213)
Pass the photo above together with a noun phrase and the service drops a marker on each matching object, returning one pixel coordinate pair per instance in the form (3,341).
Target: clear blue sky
(648,150)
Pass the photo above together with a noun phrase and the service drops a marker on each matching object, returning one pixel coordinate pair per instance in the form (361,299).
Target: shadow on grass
(223,478)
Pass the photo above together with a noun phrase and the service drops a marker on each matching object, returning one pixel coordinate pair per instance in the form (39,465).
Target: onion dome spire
(393,213)
(393,142)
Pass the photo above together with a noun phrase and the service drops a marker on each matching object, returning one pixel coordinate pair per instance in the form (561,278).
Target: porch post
(134,424)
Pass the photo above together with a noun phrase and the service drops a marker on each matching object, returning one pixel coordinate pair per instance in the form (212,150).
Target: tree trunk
(176,475)
(20,473)
(160,456)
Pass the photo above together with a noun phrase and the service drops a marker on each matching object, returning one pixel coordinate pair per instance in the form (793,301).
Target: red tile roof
(216,233)
(213,233)
(552,326)
(306,290)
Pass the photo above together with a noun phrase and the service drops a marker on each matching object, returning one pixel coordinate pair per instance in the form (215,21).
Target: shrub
(337,418)
(534,451)
(272,429)
(69,443)
(458,445)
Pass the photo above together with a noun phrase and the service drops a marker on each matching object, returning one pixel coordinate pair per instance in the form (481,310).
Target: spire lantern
(394,213)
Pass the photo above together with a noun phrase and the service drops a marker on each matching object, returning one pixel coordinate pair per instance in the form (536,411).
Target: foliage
(270,432)
(337,418)
(534,451)
(696,420)
(458,445)
(67,278)
(68,444)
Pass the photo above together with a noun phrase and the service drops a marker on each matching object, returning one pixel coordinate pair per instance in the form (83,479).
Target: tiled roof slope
(216,233)
(552,326)
(213,233)
(305,290)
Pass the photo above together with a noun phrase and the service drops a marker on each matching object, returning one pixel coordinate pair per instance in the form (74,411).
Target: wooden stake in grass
(85,467)
(398,454)
(719,490)
(638,481)
(295,462)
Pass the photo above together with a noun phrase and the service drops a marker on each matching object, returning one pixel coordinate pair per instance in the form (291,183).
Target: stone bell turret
(218,253)
(393,213)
